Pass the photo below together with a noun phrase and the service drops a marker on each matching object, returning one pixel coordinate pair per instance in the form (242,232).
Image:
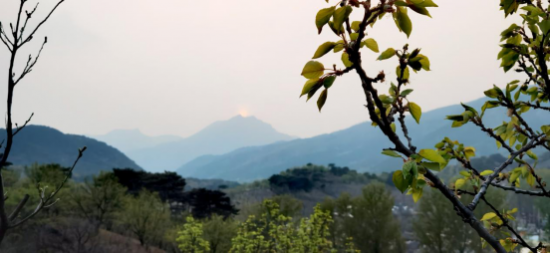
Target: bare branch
(40,24)
(532,144)
(46,201)
(31,63)
(22,127)
(20,206)
(29,16)
(519,191)
(505,223)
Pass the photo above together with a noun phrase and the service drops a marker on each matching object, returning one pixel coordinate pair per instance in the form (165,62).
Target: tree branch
(532,144)
(46,201)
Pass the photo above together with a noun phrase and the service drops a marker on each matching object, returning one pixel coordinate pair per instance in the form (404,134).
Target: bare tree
(15,39)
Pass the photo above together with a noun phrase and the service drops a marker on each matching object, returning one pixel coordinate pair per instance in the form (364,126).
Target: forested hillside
(357,147)
(43,145)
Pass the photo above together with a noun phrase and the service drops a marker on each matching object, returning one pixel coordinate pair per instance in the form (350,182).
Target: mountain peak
(217,138)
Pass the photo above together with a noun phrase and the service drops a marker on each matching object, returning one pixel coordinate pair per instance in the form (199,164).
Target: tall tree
(14,40)
(145,216)
(205,203)
(191,237)
(219,232)
(370,222)
(98,200)
(524,49)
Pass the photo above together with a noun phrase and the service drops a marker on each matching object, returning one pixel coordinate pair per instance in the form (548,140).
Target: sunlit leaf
(323,49)
(432,155)
(340,15)
(322,18)
(387,54)
(416,111)
(313,69)
(371,44)
(488,216)
(399,181)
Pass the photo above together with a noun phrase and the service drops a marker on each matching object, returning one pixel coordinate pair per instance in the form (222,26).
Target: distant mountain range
(41,144)
(358,147)
(130,140)
(218,138)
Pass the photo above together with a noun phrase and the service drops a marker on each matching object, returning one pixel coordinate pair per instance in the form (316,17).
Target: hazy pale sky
(175,66)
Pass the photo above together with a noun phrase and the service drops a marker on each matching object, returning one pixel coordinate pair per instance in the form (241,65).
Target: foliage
(274,232)
(145,216)
(313,233)
(98,200)
(308,177)
(367,219)
(190,238)
(168,185)
(269,233)
(438,229)
(219,232)
(525,48)
(204,203)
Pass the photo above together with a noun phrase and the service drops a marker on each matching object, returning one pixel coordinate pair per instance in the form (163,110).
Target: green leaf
(416,111)
(459,183)
(371,44)
(425,3)
(390,52)
(322,18)
(322,99)
(432,155)
(425,62)
(488,105)
(340,15)
(309,86)
(469,151)
(328,81)
(488,216)
(416,194)
(345,60)
(391,153)
(420,10)
(410,168)
(406,73)
(406,92)
(403,21)
(323,49)
(339,46)
(532,155)
(431,165)
(313,69)
(530,180)
(355,25)
(399,181)
(544,26)
(465,173)
(486,172)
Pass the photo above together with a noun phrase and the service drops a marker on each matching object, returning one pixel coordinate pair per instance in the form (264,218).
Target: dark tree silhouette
(14,40)
(203,203)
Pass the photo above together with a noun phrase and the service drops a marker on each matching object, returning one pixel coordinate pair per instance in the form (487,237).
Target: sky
(175,66)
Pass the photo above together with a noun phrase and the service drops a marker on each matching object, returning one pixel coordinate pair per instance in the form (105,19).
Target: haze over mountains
(246,149)
(130,140)
(218,138)
(358,147)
